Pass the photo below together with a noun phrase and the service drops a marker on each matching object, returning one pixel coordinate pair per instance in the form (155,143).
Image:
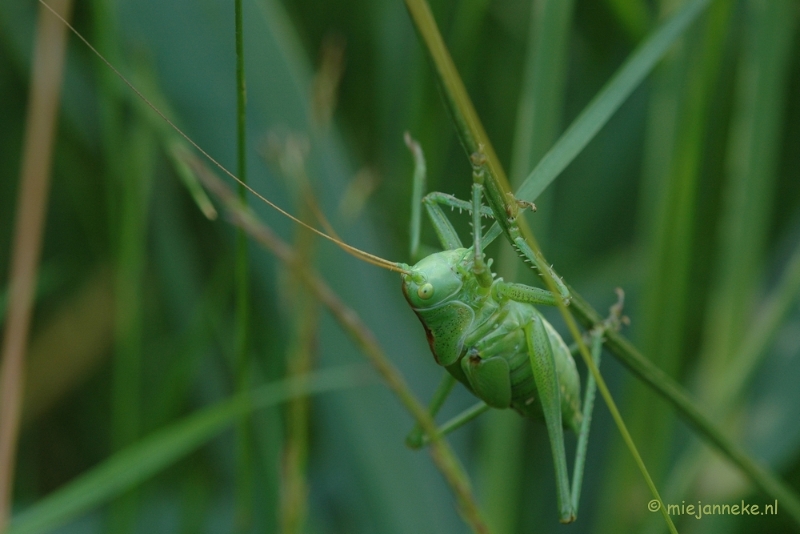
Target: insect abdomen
(501,334)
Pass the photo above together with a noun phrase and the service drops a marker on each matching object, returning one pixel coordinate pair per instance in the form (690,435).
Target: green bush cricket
(489,336)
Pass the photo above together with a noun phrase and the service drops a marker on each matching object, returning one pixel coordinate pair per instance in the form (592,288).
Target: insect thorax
(470,325)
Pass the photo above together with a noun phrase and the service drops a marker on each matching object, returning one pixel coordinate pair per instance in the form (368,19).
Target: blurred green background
(688,199)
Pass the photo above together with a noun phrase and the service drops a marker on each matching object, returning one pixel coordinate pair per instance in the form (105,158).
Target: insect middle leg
(417,438)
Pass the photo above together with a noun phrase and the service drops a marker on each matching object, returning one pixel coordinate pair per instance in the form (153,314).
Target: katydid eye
(425,291)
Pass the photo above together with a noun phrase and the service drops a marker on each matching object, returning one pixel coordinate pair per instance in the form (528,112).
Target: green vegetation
(682,188)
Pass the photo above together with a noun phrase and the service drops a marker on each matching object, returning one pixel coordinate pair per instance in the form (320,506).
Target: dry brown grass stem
(42,119)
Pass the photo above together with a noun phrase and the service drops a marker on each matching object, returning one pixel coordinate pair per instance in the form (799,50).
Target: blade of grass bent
(164,447)
(608,100)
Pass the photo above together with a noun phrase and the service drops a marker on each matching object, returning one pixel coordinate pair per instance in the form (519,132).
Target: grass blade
(154,453)
(244,454)
(680,113)
(608,100)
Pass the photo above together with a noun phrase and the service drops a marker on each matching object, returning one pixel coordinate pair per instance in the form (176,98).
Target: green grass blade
(244,454)
(752,157)
(131,268)
(680,112)
(608,100)
(129,175)
(161,449)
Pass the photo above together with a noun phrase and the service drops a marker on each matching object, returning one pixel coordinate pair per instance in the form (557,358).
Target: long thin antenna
(358,253)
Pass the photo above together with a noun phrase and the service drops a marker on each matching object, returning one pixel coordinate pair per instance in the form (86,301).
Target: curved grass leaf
(140,461)
(608,100)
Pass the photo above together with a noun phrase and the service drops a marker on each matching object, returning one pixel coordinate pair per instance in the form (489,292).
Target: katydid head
(435,278)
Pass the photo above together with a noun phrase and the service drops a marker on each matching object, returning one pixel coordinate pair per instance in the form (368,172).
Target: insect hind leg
(545,375)
(614,322)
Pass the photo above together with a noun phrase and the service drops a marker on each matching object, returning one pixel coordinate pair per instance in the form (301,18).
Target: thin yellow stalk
(305,322)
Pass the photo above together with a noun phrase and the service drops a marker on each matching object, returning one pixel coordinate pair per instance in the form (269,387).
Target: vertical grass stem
(244,480)
(43,103)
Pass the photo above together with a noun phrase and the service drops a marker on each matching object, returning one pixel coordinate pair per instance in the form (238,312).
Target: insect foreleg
(420,173)
(444,229)
(482,274)
(506,212)
(543,364)
(442,226)
(433,201)
(537,259)
(435,197)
